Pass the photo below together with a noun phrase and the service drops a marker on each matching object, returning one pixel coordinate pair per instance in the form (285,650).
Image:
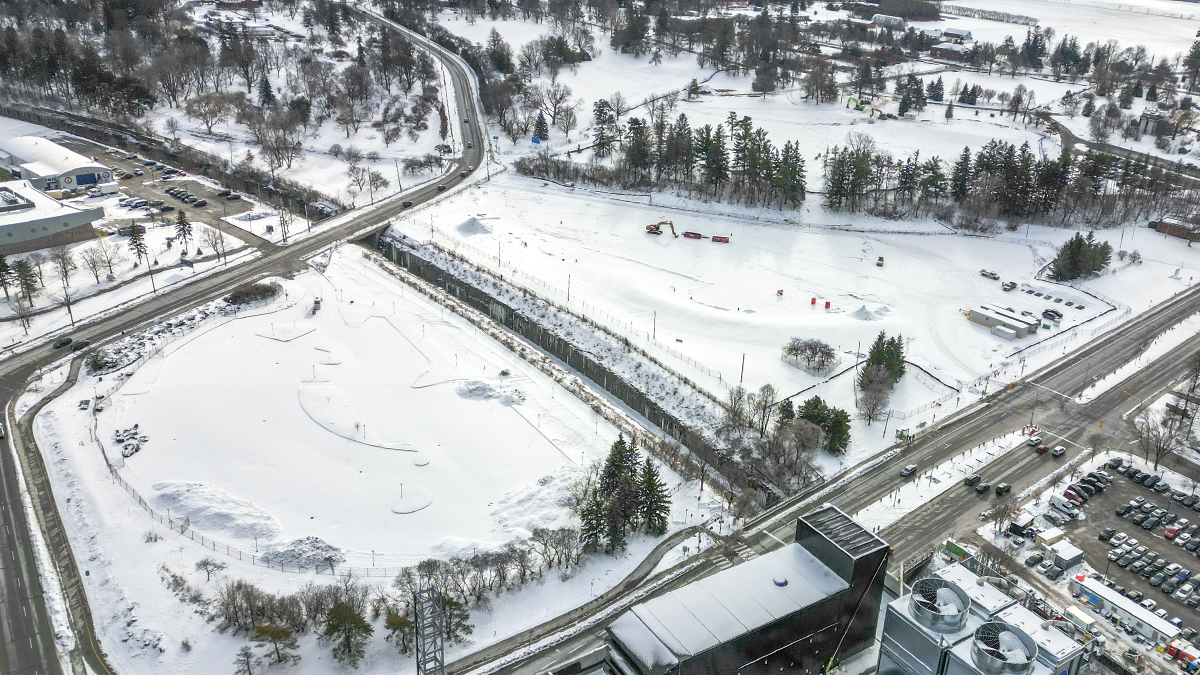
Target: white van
(1148,605)
(1063,504)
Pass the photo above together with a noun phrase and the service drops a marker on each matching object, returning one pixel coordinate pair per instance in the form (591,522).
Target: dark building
(787,611)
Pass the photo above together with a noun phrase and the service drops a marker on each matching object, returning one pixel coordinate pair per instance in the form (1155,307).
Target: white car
(1118,539)
(1130,545)
(1182,539)
(1115,554)
(1161,613)
(1183,592)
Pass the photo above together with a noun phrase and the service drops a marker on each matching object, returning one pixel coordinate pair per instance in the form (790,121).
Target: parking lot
(1161,552)
(152,186)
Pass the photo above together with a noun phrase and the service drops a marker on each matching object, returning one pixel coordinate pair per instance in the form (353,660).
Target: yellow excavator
(657,228)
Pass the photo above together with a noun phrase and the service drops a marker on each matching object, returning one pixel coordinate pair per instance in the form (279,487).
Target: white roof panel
(46,157)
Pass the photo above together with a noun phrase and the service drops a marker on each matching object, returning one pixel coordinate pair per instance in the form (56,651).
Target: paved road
(26,639)
(1044,394)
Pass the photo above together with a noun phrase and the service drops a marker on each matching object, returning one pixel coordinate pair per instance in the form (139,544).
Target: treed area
(1080,257)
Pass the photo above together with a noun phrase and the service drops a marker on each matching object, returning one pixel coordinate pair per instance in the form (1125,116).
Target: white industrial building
(30,219)
(46,165)
(1004,322)
(1130,613)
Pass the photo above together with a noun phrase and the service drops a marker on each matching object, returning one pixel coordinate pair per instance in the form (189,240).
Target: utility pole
(742,376)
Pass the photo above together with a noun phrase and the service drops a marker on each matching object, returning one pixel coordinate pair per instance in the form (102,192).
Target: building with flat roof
(31,219)
(48,165)
(1144,621)
(792,608)
(1011,324)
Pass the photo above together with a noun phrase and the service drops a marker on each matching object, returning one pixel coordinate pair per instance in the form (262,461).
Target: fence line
(183,526)
(593,312)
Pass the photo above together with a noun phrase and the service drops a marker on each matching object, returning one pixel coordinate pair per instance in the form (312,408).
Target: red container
(693,235)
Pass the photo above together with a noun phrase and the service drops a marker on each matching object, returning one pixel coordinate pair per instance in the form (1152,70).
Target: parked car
(1138,566)
(1135,595)
(1034,560)
(1045,566)
(1172,569)
(201,203)
(1124,509)
(1151,481)
(1182,539)
(1189,501)
(1172,531)
(1126,560)
(233,197)
(1107,533)
(80,345)
(224,193)
(1158,513)
(908,470)
(1055,573)
(166,207)
(1192,545)
(1137,501)
(1115,554)
(1161,486)
(1183,574)
(1150,523)
(1169,586)
(1148,507)
(1129,544)
(1158,579)
(1140,518)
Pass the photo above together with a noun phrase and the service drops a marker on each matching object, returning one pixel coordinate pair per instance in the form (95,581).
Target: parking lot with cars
(148,180)
(1142,533)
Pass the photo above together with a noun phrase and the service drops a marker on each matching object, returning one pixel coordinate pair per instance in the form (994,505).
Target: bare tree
(66,300)
(215,239)
(209,567)
(761,405)
(111,254)
(24,314)
(874,392)
(1158,436)
(208,109)
(735,408)
(64,263)
(93,260)
(1003,511)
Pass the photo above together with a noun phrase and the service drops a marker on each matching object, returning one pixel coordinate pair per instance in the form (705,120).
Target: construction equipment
(879,263)
(657,227)
(718,239)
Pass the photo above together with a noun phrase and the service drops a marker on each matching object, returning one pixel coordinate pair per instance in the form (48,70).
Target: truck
(1008,285)
(104,189)
(989,274)
(1063,504)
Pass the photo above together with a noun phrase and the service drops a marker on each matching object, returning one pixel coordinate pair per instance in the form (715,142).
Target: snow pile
(479,390)
(472,226)
(864,314)
(537,504)
(304,552)
(212,509)
(328,406)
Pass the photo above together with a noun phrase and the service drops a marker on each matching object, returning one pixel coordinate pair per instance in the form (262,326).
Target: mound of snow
(537,504)
(305,552)
(329,407)
(212,509)
(412,498)
(471,226)
(864,314)
(480,390)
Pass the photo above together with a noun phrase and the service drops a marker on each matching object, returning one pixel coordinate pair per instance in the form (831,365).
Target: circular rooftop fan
(1004,643)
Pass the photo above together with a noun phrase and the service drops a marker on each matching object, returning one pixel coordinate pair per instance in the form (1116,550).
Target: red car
(1042,448)
(1073,497)
(1172,531)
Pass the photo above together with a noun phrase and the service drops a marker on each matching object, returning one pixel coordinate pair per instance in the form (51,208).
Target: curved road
(26,638)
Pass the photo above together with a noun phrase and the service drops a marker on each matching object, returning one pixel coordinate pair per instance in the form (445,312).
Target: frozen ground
(699,306)
(355,401)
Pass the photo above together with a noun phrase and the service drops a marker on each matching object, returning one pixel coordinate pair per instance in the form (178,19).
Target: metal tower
(431,626)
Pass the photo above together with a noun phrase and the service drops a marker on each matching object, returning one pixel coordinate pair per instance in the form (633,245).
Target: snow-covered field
(699,306)
(284,425)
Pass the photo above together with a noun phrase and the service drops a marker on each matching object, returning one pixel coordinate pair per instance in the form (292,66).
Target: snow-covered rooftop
(1097,588)
(42,205)
(703,614)
(986,599)
(45,157)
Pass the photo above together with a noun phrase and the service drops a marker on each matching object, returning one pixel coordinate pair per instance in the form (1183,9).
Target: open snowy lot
(700,306)
(384,428)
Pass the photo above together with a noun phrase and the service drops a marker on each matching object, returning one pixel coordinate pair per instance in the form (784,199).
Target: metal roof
(45,157)
(839,528)
(703,614)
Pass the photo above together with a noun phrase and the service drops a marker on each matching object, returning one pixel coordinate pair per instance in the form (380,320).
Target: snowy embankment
(1161,346)
(677,395)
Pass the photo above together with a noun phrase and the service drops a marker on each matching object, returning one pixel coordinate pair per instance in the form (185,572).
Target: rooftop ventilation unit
(1000,648)
(939,604)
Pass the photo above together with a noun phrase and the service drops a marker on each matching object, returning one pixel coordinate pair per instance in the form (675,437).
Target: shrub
(255,292)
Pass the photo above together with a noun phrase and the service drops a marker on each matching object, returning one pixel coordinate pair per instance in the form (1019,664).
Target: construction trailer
(791,609)
(993,316)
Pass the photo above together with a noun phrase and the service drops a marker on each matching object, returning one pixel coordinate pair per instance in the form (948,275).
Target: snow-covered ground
(282,424)
(698,306)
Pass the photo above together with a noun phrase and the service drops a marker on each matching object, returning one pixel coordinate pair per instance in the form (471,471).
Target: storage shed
(1050,536)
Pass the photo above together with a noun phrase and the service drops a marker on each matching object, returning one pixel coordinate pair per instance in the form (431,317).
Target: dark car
(1158,579)
(225,193)
(1138,567)
(440,188)
(973,479)
(233,197)
(201,202)
(1124,509)
(1126,560)
(82,344)
(62,342)
(166,207)
(1135,596)
(1107,533)
(983,487)
(1169,586)
(1192,545)
(462,174)
(1148,571)
(1140,518)
(1151,480)
(1034,560)
(1055,573)
(148,162)
(1189,500)
(1003,489)
(406,203)
(1087,489)
(1150,523)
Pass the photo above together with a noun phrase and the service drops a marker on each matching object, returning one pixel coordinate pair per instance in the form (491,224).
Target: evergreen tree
(458,624)
(654,504)
(592,529)
(837,431)
(960,176)
(183,228)
(6,275)
(950,110)
(266,95)
(348,631)
(282,642)
(620,466)
(137,243)
(27,280)
(541,130)
(402,629)
(1089,106)
(937,90)
(604,129)
(1152,93)
(1080,257)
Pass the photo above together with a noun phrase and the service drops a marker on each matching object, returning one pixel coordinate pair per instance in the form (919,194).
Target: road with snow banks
(27,640)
